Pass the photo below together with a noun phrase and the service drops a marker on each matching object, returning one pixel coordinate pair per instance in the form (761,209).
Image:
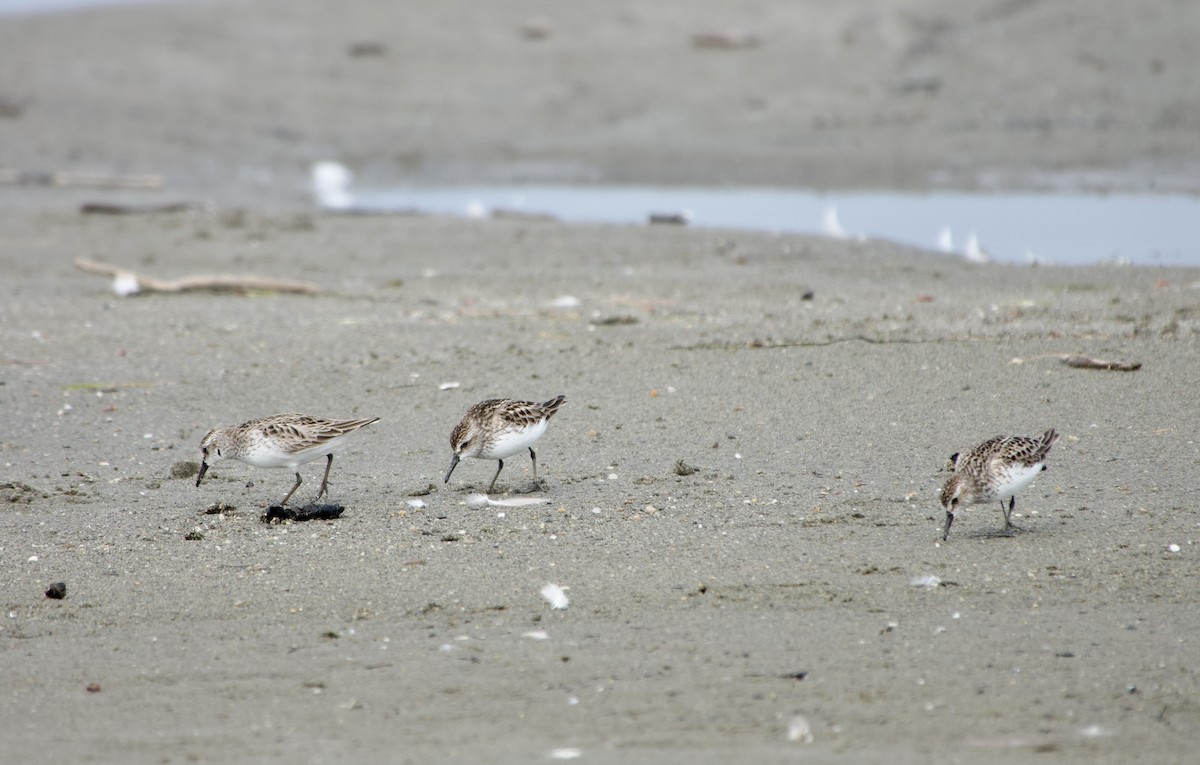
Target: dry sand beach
(743,479)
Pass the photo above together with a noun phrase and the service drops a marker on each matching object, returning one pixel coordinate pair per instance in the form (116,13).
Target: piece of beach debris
(280,513)
(219,508)
(681,218)
(185,469)
(613,321)
(195,535)
(93,688)
(728,40)
(555,596)
(331,183)
(926,580)
(112,208)
(1079,361)
(417,503)
(126,282)
(479,500)
(799,731)
(682,468)
(831,226)
(57,591)
(23,493)
(91,180)
(449,385)
(1084,362)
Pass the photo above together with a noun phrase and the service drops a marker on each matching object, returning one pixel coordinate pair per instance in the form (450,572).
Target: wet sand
(816,386)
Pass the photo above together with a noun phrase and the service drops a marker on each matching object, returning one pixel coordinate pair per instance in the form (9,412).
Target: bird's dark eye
(204,451)
(954,502)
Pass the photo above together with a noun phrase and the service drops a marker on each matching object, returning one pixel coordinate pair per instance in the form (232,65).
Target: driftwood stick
(127,282)
(1079,361)
(1085,362)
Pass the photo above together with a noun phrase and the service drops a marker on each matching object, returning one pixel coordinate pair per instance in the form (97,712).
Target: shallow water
(1065,229)
(13,7)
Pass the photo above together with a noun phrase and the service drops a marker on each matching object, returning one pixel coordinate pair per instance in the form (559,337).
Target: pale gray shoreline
(819,423)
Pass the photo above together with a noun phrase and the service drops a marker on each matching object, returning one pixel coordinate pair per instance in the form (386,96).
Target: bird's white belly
(512,441)
(272,455)
(1015,478)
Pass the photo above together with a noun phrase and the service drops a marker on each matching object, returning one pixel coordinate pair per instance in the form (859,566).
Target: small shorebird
(281,440)
(499,428)
(996,469)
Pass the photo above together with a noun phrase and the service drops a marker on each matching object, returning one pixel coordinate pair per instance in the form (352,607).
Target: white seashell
(926,580)
(555,596)
(945,239)
(417,503)
(565,301)
(331,185)
(536,635)
(126,284)
(799,730)
(973,252)
(832,226)
(566,753)
(449,385)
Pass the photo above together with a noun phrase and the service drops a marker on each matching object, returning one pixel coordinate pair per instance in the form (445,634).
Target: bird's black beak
(203,470)
(453,464)
(949,520)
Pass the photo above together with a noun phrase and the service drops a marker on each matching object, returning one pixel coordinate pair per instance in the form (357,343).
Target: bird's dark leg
(1008,524)
(949,520)
(533,457)
(492,485)
(325,478)
(293,491)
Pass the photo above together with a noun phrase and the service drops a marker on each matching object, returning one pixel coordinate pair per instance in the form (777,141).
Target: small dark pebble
(193,536)
(795,676)
(58,591)
(307,513)
(93,688)
(217,508)
(807,295)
